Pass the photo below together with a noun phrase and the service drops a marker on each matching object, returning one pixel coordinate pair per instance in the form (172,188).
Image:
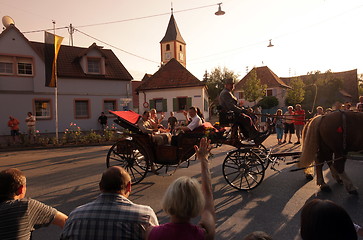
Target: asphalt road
(66,178)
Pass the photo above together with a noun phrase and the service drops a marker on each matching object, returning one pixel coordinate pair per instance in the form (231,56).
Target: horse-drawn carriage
(243,168)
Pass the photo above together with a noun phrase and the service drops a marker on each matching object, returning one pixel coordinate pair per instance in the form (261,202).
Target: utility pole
(71,31)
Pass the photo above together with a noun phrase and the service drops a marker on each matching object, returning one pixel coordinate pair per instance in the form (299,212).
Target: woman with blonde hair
(185,199)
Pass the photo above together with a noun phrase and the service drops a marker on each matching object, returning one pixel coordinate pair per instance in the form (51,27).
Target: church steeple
(173,44)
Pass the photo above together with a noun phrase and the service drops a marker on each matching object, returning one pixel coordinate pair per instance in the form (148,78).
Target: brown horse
(335,134)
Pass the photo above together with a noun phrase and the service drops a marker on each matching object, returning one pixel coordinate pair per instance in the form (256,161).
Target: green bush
(268,102)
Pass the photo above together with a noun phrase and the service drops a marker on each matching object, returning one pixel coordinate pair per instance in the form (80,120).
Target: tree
(322,89)
(296,94)
(253,89)
(268,102)
(215,83)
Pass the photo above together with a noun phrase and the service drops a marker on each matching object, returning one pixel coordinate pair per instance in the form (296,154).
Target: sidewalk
(271,142)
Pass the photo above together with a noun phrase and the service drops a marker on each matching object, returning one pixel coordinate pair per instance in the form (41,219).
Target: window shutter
(175,105)
(189,102)
(165,105)
(152,104)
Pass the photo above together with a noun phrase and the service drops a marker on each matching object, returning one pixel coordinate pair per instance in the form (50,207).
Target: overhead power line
(115,46)
(150,16)
(48,29)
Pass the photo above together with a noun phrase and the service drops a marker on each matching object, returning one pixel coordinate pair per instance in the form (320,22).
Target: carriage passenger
(146,127)
(196,121)
(154,120)
(360,107)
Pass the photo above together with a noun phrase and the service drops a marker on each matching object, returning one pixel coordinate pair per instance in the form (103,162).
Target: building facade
(90,81)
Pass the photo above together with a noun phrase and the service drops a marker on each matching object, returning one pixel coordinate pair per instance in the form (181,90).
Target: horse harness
(342,129)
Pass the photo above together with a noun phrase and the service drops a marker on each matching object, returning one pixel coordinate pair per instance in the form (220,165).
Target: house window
(94,65)
(181,48)
(6,68)
(167,47)
(182,103)
(25,68)
(269,92)
(159,104)
(82,109)
(42,109)
(109,105)
(206,105)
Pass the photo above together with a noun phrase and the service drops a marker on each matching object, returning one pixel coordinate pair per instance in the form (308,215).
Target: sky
(308,35)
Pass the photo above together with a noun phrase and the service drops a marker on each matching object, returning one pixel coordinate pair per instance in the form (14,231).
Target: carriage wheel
(131,156)
(243,169)
(262,152)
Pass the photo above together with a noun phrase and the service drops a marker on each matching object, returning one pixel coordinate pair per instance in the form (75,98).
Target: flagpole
(56,94)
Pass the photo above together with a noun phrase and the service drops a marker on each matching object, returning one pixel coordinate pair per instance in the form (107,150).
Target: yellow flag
(52,46)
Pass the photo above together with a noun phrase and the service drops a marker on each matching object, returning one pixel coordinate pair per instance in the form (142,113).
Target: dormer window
(94,65)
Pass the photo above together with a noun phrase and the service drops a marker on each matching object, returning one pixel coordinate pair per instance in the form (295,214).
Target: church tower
(173,44)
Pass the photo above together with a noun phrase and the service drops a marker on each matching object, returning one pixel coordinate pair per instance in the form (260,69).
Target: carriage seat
(226,117)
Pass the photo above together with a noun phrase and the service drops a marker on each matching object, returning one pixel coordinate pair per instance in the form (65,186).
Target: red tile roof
(266,76)
(171,75)
(68,63)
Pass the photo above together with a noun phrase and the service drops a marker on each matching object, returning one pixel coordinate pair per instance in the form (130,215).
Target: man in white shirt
(196,121)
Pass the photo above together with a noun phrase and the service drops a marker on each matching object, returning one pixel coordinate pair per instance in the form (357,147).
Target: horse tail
(310,142)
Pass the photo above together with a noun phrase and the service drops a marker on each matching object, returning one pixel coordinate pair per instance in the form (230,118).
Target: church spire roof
(172,32)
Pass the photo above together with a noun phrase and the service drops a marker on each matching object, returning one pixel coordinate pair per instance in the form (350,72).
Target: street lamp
(219,12)
(270,44)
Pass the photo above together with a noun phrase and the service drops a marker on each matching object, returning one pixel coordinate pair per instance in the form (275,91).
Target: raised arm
(60,219)
(208,215)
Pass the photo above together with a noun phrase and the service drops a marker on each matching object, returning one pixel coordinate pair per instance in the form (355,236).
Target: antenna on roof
(7,21)
(172,8)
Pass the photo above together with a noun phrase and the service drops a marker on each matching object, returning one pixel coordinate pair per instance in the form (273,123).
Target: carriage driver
(229,103)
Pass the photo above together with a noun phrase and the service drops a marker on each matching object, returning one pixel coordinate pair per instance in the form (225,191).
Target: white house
(90,81)
(275,86)
(173,87)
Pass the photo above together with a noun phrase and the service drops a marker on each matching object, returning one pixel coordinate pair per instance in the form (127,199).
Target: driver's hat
(229,81)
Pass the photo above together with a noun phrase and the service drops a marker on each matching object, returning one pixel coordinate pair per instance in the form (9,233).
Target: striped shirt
(18,218)
(110,216)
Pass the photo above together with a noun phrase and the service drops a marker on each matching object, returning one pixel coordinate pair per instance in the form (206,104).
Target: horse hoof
(325,188)
(309,177)
(353,192)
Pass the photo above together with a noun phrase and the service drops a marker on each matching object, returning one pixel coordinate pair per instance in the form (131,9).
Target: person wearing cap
(229,103)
